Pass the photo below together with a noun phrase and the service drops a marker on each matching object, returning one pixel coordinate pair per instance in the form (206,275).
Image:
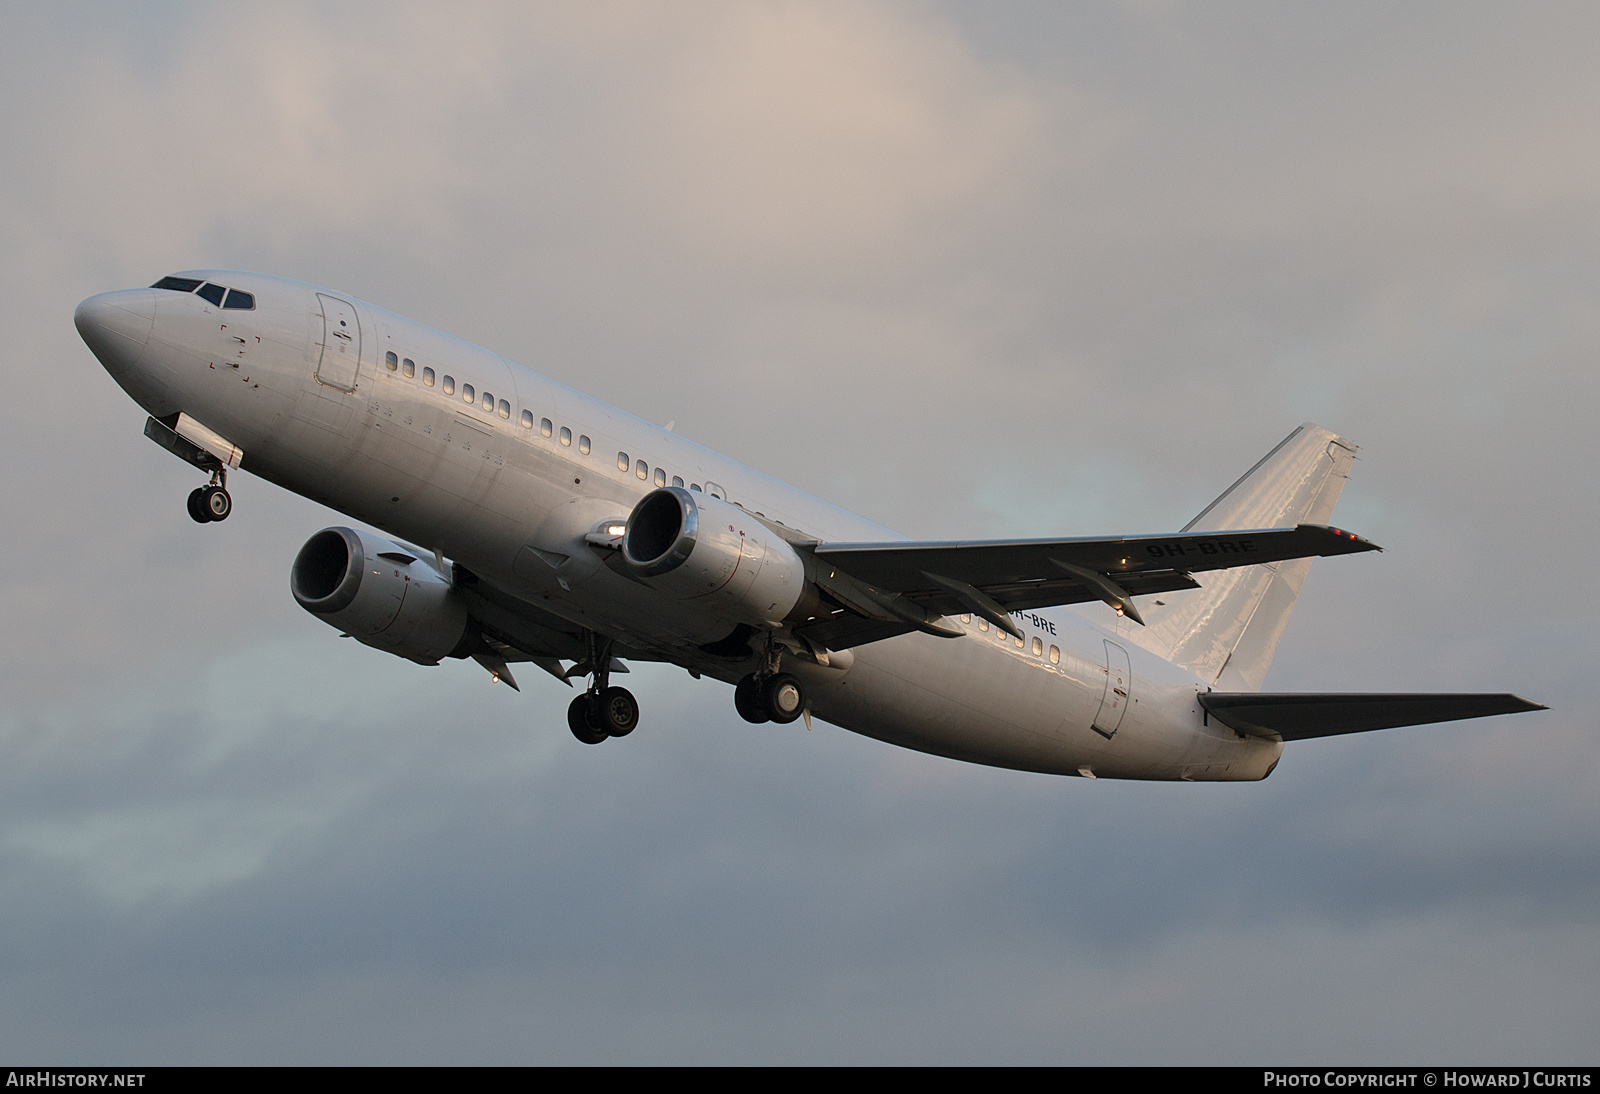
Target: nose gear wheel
(213,502)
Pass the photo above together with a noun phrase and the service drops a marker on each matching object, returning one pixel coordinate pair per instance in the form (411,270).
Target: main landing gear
(775,697)
(596,715)
(212,502)
(602,711)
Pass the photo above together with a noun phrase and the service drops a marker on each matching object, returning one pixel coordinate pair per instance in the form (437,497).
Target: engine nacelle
(379,593)
(698,548)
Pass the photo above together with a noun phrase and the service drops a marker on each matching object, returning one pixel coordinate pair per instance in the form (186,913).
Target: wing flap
(1018,596)
(843,629)
(1299,716)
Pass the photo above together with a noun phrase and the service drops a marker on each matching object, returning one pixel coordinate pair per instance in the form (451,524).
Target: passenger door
(340,363)
(1118,691)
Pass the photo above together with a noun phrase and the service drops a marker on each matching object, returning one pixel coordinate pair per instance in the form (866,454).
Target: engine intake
(380,594)
(698,548)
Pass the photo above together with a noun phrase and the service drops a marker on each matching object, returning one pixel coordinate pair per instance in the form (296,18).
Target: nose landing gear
(212,502)
(603,710)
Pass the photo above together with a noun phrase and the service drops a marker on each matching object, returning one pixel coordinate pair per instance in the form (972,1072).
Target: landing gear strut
(212,502)
(603,710)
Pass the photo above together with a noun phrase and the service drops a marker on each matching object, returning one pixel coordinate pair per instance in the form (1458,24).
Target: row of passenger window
(547,428)
(447,384)
(1038,643)
(641,470)
(406,367)
(219,295)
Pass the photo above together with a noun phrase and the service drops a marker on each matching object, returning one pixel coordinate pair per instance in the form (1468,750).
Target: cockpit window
(178,284)
(235,299)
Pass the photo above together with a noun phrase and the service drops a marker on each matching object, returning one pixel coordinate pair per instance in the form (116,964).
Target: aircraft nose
(116,325)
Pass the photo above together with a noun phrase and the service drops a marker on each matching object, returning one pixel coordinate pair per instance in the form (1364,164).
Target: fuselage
(456,449)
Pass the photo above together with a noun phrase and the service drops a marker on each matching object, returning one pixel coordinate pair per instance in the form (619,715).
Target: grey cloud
(783,887)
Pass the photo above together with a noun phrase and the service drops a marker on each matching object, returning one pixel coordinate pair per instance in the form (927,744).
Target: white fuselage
(514,502)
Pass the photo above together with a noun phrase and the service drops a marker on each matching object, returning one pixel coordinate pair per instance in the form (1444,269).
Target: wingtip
(1360,543)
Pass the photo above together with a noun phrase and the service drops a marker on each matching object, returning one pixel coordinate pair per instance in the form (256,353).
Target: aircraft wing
(1296,717)
(884,589)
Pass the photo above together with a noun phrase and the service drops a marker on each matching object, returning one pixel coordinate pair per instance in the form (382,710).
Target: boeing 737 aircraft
(526,522)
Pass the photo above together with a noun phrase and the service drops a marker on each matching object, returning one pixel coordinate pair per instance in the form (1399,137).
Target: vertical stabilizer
(1227,631)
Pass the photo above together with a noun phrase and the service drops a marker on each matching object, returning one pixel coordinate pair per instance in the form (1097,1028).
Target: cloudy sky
(970,269)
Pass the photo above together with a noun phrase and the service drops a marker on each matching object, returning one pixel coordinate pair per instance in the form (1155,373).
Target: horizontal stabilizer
(1289,716)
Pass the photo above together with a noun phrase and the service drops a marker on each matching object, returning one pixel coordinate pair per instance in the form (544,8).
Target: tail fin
(1227,631)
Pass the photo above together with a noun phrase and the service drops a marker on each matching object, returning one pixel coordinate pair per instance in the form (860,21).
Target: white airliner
(529,522)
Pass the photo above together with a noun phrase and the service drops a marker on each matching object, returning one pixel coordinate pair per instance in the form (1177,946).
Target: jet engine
(380,594)
(700,549)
